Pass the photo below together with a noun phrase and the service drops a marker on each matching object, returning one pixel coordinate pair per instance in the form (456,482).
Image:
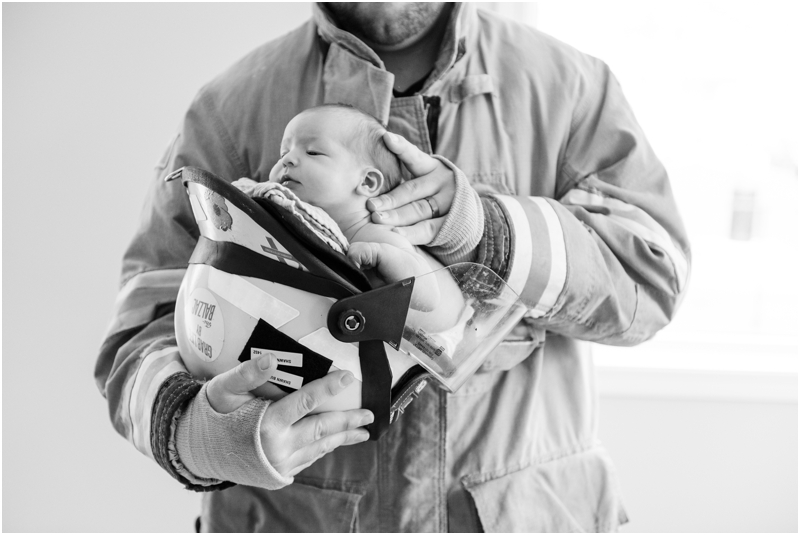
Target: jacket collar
(354,74)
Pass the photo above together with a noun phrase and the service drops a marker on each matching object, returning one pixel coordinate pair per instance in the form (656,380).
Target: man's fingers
(407,214)
(431,179)
(293,447)
(419,164)
(407,192)
(421,233)
(291,408)
(230,390)
(308,455)
(319,426)
(414,159)
(249,374)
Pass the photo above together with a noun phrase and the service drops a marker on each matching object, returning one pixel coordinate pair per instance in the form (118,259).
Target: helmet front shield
(476,310)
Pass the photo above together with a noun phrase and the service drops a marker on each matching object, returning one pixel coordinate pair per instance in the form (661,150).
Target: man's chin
(386,25)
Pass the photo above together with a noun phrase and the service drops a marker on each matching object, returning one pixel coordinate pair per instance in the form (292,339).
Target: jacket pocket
(511,352)
(303,506)
(573,494)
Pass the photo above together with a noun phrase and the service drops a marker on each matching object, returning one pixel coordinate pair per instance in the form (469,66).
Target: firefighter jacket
(580,221)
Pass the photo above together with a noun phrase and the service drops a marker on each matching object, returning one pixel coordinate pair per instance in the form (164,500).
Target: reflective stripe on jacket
(594,246)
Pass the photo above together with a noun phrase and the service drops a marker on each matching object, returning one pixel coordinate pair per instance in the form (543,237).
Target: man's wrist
(175,394)
(226,447)
(463,227)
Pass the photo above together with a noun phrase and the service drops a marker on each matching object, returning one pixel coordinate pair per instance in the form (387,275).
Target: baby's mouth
(286,179)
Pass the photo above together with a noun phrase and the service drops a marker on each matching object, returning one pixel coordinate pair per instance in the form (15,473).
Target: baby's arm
(394,258)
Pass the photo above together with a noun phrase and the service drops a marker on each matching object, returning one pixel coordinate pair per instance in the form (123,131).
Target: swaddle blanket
(316,219)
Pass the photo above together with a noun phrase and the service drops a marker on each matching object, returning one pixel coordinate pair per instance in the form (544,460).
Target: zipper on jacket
(432,108)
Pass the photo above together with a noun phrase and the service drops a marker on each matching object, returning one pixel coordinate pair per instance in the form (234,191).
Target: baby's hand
(394,264)
(391,264)
(364,255)
(275,172)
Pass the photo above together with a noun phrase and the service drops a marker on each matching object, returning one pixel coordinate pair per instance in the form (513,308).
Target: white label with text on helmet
(285,358)
(205,326)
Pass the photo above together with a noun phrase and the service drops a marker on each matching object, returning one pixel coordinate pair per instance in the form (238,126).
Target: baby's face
(315,163)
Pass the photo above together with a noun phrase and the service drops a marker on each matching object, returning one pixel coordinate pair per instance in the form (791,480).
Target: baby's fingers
(364,254)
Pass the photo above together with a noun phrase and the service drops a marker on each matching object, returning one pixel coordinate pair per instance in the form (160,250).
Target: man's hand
(406,207)
(291,440)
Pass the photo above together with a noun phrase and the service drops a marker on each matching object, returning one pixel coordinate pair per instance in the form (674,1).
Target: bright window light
(715,87)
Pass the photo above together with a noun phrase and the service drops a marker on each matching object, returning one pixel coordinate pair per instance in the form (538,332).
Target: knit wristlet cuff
(176,392)
(463,226)
(495,248)
(226,447)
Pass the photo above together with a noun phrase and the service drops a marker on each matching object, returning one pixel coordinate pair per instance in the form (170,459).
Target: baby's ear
(372,183)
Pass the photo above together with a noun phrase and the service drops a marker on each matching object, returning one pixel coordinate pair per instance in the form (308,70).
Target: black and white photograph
(401,267)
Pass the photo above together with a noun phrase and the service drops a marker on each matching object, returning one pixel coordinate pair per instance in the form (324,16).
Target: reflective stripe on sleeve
(123,412)
(135,301)
(638,222)
(153,371)
(538,262)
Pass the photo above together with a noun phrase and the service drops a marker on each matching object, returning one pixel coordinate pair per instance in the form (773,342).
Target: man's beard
(366,21)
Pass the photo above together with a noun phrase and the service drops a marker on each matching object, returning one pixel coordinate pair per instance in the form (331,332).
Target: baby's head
(333,156)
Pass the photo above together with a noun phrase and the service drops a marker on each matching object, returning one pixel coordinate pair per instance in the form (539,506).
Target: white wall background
(91,95)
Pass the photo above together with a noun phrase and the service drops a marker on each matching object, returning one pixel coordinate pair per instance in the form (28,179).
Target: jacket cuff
(226,447)
(494,250)
(537,258)
(174,395)
(463,227)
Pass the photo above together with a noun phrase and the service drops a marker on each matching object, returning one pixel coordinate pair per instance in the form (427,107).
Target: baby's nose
(289,160)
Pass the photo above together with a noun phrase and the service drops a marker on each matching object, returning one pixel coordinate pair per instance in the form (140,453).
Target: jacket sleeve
(139,370)
(607,259)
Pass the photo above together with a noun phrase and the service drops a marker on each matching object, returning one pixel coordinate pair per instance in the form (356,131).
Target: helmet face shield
(477,322)
(474,313)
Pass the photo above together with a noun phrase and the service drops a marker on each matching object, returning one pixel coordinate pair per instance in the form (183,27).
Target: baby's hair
(367,140)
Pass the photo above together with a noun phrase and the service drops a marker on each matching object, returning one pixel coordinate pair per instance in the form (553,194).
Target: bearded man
(575,212)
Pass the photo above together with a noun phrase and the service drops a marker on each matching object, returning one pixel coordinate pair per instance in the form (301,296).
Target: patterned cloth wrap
(316,219)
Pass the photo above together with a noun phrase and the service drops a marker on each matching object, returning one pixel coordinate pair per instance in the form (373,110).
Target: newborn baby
(333,157)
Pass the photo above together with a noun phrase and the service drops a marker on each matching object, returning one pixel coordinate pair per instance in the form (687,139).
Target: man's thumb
(231,390)
(418,162)
(249,374)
